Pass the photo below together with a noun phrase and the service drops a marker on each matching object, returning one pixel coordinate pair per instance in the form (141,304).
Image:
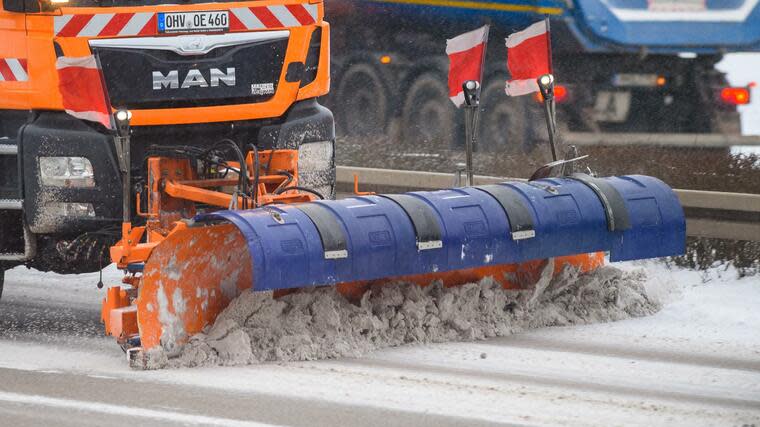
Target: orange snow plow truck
(191,74)
(210,167)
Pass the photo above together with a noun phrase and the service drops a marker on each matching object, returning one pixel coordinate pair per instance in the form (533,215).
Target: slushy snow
(320,323)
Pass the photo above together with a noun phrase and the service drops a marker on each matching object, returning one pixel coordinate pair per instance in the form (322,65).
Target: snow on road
(697,362)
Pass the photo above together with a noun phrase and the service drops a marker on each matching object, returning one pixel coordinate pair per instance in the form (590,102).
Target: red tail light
(560,95)
(735,95)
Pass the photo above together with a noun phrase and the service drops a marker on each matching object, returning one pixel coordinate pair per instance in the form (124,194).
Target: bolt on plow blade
(461,235)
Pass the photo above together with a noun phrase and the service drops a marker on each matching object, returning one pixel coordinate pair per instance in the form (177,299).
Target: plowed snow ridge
(321,324)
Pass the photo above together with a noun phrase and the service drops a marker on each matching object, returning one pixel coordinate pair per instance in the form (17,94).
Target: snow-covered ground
(697,362)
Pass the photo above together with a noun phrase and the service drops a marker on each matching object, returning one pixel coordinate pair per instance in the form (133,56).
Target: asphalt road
(56,369)
(35,309)
(35,398)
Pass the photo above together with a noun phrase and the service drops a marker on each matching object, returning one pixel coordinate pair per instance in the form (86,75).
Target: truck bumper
(306,122)
(72,209)
(65,207)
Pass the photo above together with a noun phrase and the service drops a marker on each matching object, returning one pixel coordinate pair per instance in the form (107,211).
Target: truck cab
(190,74)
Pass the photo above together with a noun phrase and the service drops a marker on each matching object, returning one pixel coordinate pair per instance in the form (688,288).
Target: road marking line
(131,411)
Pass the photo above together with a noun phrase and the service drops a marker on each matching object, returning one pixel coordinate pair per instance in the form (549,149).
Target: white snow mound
(320,323)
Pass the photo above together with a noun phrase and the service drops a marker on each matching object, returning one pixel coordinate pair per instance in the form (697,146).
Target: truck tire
(428,117)
(2,280)
(361,108)
(502,119)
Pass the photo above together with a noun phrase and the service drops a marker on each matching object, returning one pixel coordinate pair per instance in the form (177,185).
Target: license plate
(194,22)
(612,106)
(635,80)
(677,5)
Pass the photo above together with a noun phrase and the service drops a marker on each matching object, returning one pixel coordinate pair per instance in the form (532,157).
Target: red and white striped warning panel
(146,23)
(257,18)
(13,70)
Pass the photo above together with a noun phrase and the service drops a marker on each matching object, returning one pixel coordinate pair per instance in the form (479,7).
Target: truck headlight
(66,172)
(70,209)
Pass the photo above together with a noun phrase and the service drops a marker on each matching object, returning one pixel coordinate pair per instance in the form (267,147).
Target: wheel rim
(364,103)
(502,122)
(428,116)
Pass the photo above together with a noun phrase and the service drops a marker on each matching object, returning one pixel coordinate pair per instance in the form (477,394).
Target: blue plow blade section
(374,237)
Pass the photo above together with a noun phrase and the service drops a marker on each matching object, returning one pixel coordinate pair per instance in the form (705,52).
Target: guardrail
(701,140)
(733,216)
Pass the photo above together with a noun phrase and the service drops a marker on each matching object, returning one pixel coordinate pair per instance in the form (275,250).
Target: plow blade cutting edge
(457,235)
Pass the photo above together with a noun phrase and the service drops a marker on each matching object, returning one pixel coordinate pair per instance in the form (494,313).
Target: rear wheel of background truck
(503,119)
(428,117)
(361,108)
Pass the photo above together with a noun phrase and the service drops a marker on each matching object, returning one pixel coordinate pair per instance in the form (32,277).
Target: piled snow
(321,324)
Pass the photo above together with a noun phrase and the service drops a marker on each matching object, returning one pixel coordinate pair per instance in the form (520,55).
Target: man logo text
(193,78)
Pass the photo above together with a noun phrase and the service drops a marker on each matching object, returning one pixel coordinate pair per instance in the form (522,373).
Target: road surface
(697,362)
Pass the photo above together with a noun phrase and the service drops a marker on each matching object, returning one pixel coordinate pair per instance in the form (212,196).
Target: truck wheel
(2,280)
(362,106)
(502,119)
(429,118)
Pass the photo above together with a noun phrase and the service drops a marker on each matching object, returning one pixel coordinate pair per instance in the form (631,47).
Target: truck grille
(191,71)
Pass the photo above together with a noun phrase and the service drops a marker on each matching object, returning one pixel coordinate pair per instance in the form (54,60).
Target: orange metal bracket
(356,188)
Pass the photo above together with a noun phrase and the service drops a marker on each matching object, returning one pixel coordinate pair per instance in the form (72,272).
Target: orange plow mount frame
(171,200)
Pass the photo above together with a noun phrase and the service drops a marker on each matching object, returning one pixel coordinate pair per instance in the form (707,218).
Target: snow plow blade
(458,235)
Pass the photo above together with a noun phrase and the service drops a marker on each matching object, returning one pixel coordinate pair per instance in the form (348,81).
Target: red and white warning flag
(529,55)
(81,87)
(467,54)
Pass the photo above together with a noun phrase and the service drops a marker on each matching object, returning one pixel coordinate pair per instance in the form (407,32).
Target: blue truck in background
(625,66)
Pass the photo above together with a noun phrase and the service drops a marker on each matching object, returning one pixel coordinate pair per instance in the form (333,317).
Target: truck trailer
(622,66)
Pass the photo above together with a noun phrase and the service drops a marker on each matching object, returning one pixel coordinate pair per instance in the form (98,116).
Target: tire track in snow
(554,382)
(595,349)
